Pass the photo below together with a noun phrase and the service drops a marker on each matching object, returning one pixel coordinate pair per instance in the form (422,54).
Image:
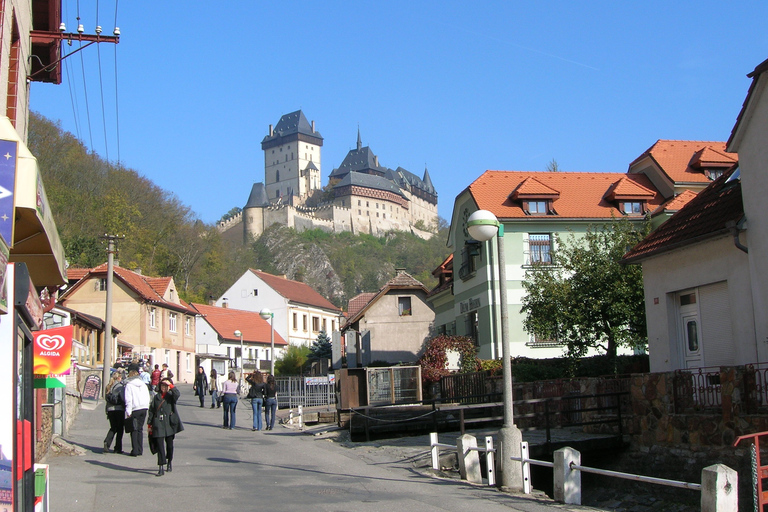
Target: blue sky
(460,87)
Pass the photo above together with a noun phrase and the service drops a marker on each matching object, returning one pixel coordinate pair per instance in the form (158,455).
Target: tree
(321,348)
(434,358)
(552,166)
(293,361)
(587,298)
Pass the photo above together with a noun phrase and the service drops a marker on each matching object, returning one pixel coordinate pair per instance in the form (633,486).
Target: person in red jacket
(155,378)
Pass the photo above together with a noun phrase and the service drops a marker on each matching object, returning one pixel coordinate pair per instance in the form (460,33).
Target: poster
(91,388)
(53,352)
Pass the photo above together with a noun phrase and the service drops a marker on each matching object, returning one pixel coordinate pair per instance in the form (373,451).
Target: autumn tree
(587,299)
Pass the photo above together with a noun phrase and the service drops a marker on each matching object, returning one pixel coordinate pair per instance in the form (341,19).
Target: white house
(300,312)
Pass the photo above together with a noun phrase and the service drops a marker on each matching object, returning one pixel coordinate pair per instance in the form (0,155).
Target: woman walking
(201,385)
(256,395)
(115,412)
(164,423)
(270,403)
(229,388)
(214,389)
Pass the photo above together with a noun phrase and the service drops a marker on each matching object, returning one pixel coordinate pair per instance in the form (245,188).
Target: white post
(567,481)
(525,454)
(719,489)
(301,418)
(490,460)
(469,459)
(435,450)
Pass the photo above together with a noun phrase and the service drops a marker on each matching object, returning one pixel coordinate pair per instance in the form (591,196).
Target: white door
(690,330)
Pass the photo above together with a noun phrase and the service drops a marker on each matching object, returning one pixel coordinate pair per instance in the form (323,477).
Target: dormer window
(534,197)
(713,174)
(536,207)
(633,207)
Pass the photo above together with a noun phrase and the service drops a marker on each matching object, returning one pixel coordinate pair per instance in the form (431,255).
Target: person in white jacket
(136,405)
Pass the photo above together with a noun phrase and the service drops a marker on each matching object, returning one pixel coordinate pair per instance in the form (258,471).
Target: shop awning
(36,240)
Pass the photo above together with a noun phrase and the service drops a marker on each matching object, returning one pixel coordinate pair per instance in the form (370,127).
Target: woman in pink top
(229,389)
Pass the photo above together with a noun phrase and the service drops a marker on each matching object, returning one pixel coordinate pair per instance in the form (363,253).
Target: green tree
(321,347)
(587,298)
(293,361)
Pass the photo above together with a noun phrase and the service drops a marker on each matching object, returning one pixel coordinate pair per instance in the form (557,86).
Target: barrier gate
(759,471)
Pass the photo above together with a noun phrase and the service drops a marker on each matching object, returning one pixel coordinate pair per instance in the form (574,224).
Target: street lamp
(482,226)
(266,313)
(242,366)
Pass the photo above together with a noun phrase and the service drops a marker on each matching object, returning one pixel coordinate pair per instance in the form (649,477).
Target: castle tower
(292,169)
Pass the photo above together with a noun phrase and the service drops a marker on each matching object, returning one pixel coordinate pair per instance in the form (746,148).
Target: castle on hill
(362,196)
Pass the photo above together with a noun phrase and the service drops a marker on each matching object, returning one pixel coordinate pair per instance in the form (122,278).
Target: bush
(434,360)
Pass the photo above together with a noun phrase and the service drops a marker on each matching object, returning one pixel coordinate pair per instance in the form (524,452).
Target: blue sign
(8,150)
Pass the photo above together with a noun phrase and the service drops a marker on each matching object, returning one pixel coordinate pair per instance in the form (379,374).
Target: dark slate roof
(258,196)
(754,75)
(292,124)
(428,182)
(406,179)
(369,181)
(311,166)
(358,160)
(704,217)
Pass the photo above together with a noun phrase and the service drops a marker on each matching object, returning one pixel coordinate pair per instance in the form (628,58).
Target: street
(283,469)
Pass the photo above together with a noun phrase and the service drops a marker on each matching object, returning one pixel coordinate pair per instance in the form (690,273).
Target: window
(470,326)
(315,324)
(189,362)
(468,254)
(540,246)
(304,322)
(324,326)
(153,317)
(632,208)
(277,175)
(103,284)
(172,322)
(255,292)
(359,202)
(713,174)
(333,325)
(538,207)
(295,321)
(188,325)
(404,306)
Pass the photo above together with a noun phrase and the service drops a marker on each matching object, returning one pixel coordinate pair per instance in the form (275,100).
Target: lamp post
(482,225)
(242,366)
(266,313)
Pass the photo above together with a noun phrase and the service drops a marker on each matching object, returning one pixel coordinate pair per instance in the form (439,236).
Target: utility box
(351,388)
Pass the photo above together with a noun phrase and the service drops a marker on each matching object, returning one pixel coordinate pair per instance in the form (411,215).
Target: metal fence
(697,389)
(394,385)
(293,391)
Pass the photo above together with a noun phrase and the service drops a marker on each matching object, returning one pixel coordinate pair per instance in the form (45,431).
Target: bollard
(469,459)
(567,481)
(719,489)
(301,418)
(290,416)
(435,450)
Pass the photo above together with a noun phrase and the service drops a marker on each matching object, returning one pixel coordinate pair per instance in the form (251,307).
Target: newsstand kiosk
(23,313)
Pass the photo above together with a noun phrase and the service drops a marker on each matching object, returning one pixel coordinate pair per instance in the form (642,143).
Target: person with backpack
(115,399)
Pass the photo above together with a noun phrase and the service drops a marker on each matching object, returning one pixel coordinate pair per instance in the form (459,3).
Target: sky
(188,94)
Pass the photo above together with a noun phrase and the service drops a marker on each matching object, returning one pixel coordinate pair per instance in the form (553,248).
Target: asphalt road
(282,469)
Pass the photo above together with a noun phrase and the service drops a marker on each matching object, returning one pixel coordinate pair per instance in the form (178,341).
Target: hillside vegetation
(163,237)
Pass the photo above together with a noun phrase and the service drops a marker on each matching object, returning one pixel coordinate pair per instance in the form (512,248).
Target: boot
(160,472)
(169,468)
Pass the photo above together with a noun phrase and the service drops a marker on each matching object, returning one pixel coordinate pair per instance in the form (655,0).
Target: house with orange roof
(704,271)
(534,207)
(218,347)
(148,312)
(300,312)
(390,325)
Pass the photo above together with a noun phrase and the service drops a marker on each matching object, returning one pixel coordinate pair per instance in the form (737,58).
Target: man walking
(136,405)
(201,385)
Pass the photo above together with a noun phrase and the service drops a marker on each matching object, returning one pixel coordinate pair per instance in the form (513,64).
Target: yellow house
(148,312)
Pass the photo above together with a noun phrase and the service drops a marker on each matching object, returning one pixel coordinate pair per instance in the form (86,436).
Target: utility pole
(111,250)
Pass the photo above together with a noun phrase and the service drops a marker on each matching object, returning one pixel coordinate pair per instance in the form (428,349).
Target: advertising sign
(53,351)
(8,149)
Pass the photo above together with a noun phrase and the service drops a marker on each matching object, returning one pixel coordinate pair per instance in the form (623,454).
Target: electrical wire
(117,103)
(103,110)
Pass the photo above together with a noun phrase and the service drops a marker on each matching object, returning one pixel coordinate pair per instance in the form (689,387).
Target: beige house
(148,312)
(705,272)
(391,325)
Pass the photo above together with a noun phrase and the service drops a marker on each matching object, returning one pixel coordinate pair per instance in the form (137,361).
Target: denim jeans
(270,409)
(256,404)
(230,404)
(214,398)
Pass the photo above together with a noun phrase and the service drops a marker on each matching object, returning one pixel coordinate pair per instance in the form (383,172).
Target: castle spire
(359,142)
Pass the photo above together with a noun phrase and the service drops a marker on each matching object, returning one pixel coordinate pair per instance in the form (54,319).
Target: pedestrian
(270,402)
(164,371)
(256,395)
(163,423)
(155,378)
(201,385)
(146,378)
(136,405)
(229,388)
(214,386)
(115,398)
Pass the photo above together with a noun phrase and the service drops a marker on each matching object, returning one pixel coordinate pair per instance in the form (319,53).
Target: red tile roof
(75,274)
(704,217)
(677,202)
(582,194)
(358,302)
(402,281)
(225,321)
(296,291)
(533,189)
(140,284)
(681,160)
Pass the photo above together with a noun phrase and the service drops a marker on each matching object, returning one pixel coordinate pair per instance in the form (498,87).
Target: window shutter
(526,250)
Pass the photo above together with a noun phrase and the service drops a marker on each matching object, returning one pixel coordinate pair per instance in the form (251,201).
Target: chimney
(400,271)
(375,160)
(271,131)
(224,303)
(313,127)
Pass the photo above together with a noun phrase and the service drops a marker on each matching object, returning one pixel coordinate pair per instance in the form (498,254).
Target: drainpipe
(735,228)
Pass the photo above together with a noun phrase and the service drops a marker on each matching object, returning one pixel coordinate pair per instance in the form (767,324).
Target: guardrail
(719,487)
